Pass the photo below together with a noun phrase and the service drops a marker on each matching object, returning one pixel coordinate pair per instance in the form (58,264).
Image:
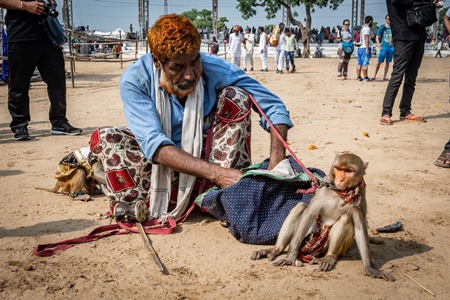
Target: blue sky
(106,15)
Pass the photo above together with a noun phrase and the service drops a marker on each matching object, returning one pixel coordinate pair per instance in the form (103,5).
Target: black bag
(421,14)
(54,31)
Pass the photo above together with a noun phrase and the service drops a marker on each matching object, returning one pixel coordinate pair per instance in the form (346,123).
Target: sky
(107,15)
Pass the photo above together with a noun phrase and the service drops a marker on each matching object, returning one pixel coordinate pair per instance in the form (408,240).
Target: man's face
(388,21)
(180,75)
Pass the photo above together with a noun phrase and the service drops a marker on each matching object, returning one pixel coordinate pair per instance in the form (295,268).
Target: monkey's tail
(49,190)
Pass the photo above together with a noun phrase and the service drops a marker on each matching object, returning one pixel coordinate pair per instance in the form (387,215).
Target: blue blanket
(257,205)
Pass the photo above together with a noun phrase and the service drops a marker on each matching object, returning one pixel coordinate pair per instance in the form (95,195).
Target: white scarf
(191,142)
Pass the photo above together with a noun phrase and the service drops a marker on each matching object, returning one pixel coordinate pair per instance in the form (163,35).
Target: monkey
(75,182)
(71,184)
(341,208)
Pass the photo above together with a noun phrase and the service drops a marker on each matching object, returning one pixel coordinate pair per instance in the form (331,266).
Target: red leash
(313,178)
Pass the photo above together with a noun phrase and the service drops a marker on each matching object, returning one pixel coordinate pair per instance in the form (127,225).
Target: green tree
(203,18)
(271,7)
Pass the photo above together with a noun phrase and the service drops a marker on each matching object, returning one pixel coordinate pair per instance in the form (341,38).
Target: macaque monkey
(75,182)
(341,207)
(72,184)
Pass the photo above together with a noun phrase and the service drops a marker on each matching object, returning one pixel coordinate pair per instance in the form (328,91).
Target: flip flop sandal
(386,121)
(445,157)
(391,228)
(413,118)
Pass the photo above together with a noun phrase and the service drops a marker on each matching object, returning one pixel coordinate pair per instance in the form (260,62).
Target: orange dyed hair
(171,36)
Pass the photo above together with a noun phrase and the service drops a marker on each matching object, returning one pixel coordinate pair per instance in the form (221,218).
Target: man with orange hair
(189,123)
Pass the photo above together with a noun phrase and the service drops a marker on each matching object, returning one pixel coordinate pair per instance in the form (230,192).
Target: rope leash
(313,178)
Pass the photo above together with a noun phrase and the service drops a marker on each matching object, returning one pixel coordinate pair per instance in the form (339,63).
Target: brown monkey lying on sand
(74,174)
(337,214)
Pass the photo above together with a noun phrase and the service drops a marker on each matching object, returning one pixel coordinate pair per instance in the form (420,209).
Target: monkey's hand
(325,263)
(288,262)
(269,253)
(374,273)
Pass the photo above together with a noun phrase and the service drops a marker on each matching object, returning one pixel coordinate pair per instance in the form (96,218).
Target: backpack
(356,35)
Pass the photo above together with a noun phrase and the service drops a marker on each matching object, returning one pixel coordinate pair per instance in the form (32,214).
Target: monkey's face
(344,177)
(347,171)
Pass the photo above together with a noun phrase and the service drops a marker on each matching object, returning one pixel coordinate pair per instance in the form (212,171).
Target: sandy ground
(203,260)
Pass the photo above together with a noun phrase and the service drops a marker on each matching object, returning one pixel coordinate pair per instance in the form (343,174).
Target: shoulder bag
(53,31)
(421,14)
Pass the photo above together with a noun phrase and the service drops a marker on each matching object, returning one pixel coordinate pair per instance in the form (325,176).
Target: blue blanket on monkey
(257,205)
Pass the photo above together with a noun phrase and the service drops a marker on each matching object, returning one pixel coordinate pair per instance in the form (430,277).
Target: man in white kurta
(235,46)
(279,50)
(249,42)
(262,48)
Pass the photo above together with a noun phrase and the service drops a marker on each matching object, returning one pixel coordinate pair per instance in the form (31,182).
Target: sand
(202,258)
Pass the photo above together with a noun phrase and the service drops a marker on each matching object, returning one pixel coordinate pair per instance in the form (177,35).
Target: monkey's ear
(366,164)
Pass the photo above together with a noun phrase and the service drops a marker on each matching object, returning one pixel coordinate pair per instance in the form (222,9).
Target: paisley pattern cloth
(128,171)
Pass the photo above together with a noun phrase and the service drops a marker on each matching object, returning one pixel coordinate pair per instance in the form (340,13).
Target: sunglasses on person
(346,24)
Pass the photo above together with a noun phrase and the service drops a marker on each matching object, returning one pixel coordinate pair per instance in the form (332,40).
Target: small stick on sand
(419,284)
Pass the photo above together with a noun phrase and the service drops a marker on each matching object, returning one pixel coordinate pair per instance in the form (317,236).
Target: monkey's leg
(340,238)
(99,173)
(284,237)
(56,188)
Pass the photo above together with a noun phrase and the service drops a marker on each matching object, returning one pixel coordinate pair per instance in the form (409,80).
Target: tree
(271,7)
(203,18)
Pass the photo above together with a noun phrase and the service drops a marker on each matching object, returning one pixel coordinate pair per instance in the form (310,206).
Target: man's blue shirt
(138,96)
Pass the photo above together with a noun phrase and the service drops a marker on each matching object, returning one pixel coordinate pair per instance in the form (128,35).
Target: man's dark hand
(34,7)
(225,177)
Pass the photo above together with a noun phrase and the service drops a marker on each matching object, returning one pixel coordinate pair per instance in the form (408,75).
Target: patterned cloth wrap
(257,205)
(128,171)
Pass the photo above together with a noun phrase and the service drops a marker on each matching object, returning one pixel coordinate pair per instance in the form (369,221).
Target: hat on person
(236,28)
(281,25)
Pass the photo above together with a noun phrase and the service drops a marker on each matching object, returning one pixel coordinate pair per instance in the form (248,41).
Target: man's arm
(277,149)
(366,41)
(184,162)
(447,24)
(33,7)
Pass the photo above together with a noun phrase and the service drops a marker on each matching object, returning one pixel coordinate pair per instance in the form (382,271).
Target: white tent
(119,33)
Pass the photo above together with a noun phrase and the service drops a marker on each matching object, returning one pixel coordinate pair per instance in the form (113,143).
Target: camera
(50,10)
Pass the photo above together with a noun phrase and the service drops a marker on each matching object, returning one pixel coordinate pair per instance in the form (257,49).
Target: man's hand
(183,162)
(226,177)
(34,7)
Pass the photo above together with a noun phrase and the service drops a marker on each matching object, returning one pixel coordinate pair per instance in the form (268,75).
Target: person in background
(279,49)
(385,47)
(365,50)
(235,45)
(344,35)
(444,159)
(409,48)
(438,49)
(290,46)
(214,47)
(29,47)
(262,48)
(249,42)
